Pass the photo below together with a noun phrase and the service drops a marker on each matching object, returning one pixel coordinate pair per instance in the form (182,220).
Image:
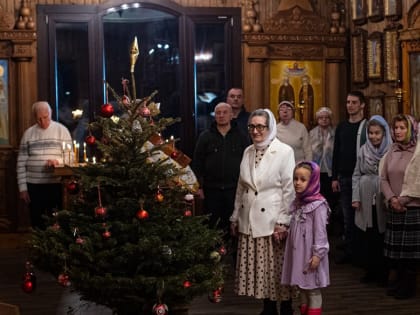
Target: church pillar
(334,82)
(254,69)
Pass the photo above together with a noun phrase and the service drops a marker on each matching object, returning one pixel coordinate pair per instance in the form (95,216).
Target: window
(81,47)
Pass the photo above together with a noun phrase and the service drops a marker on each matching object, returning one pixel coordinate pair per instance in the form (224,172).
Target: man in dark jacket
(349,136)
(217,157)
(235,99)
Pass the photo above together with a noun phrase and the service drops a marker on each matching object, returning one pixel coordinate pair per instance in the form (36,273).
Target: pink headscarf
(311,193)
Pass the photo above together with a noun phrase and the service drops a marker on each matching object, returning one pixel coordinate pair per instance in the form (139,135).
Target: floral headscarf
(312,191)
(412,129)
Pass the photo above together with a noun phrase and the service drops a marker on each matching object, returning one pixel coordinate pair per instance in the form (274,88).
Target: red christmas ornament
(222,250)
(107,110)
(55,226)
(215,296)
(29,282)
(90,140)
(187,213)
(142,214)
(64,280)
(174,154)
(144,111)
(80,240)
(100,211)
(106,234)
(160,309)
(72,187)
(187,284)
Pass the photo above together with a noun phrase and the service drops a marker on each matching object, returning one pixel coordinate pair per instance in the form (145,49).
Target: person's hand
(314,262)
(356,205)
(280,232)
(52,163)
(24,195)
(233,228)
(335,186)
(396,205)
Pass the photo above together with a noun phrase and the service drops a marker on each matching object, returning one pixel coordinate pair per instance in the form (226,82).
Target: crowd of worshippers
(276,190)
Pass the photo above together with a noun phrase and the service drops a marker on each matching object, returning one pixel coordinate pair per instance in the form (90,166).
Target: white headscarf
(271,123)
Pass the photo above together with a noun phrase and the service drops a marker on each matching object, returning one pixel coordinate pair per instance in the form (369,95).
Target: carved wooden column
(334,83)
(17,46)
(255,90)
(22,54)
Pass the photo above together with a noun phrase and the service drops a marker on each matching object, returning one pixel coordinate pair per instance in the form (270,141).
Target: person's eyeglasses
(258,127)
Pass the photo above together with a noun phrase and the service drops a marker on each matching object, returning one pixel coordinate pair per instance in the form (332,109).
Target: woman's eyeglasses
(258,127)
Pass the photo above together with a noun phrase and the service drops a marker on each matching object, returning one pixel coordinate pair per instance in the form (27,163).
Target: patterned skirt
(402,235)
(258,268)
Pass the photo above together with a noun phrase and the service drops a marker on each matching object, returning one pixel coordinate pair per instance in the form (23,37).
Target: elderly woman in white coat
(260,218)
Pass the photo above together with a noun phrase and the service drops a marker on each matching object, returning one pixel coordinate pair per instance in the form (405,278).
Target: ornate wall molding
(414,16)
(296,21)
(7,20)
(257,52)
(329,39)
(296,51)
(18,35)
(21,43)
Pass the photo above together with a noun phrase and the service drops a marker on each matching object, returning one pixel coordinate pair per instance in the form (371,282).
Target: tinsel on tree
(129,240)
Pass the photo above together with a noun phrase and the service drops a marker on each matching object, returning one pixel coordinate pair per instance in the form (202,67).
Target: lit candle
(77,153)
(94,160)
(64,152)
(69,150)
(84,152)
(74,152)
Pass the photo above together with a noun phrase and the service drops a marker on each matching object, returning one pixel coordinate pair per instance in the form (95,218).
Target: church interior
(310,52)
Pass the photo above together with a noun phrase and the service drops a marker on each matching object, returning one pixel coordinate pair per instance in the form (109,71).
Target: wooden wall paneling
(18,49)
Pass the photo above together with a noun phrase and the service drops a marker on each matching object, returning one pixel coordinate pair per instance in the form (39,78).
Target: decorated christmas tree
(129,239)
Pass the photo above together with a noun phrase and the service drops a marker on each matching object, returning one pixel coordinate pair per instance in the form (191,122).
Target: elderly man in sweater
(41,149)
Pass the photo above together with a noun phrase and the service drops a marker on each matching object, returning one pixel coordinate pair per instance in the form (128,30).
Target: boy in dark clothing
(349,136)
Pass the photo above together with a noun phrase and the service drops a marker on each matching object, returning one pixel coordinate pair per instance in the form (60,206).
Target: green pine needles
(126,240)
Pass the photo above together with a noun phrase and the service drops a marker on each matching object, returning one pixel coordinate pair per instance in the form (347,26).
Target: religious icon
(306,100)
(286,91)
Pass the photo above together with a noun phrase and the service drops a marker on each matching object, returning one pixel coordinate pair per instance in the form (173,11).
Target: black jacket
(217,158)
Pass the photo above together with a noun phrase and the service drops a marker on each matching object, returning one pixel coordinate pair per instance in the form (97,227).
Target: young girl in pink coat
(306,254)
